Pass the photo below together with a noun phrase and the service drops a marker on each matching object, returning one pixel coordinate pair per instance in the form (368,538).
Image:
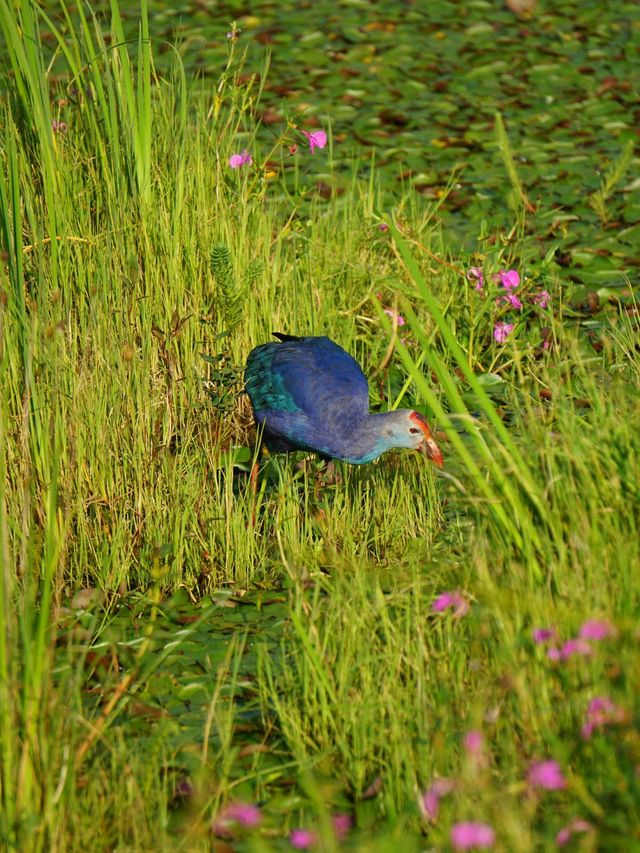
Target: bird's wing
(313,376)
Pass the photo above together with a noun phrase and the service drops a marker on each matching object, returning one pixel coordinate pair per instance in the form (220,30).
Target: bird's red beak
(432,450)
(428,444)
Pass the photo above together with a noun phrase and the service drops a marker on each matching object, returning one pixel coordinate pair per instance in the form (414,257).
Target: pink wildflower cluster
(454,600)
(398,319)
(475,750)
(474,746)
(501,331)
(472,836)
(602,712)
(238,160)
(508,281)
(575,646)
(576,825)
(341,824)
(542,299)
(543,635)
(429,802)
(546,774)
(597,629)
(476,274)
(593,630)
(235,815)
(303,839)
(315,138)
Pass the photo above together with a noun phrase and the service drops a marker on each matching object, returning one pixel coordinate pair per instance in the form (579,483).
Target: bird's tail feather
(282,337)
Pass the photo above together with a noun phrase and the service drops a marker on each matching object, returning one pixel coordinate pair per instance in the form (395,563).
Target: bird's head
(410,429)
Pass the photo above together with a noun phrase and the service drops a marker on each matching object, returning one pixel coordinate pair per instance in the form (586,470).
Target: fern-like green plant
(229,295)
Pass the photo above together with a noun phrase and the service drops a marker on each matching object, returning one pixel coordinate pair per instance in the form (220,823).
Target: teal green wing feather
(265,385)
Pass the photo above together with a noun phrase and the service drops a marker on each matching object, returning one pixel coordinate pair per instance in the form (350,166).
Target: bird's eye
(414,430)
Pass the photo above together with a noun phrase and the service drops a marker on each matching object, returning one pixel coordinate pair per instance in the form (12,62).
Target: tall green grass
(138,271)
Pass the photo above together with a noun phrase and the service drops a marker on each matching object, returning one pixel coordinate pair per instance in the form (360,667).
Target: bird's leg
(258,451)
(327,474)
(332,476)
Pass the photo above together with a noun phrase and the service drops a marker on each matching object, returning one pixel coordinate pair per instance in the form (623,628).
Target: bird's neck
(367,436)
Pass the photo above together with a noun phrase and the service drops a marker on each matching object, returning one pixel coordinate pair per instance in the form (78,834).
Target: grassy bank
(174,644)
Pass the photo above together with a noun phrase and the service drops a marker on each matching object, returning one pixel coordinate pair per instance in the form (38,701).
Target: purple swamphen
(309,394)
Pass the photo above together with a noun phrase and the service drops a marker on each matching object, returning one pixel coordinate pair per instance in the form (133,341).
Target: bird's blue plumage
(305,375)
(309,394)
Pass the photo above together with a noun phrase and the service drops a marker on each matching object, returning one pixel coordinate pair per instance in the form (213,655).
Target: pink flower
(543,635)
(542,299)
(509,279)
(468,836)
(239,814)
(316,139)
(546,774)
(238,160)
(302,839)
(429,802)
(501,331)
(512,299)
(601,704)
(400,321)
(597,629)
(576,825)
(474,743)
(341,825)
(246,814)
(453,599)
(601,712)
(476,274)
(383,227)
(576,646)
(474,747)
